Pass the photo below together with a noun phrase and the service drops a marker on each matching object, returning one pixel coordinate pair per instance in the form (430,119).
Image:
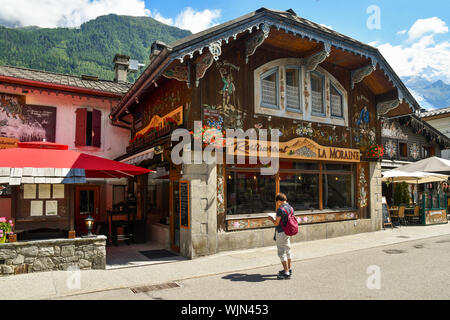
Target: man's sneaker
(284,276)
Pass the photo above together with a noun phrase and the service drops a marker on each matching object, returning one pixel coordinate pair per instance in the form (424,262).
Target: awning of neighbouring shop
(433,164)
(413,177)
(138,158)
(45,162)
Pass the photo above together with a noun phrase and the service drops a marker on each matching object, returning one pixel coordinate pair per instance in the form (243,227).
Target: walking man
(283,241)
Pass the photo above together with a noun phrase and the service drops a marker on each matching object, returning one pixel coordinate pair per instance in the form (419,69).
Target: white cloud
(197,21)
(402,32)
(64,13)
(190,19)
(424,26)
(421,55)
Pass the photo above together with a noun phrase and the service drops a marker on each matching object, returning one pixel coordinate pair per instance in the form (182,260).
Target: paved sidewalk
(49,285)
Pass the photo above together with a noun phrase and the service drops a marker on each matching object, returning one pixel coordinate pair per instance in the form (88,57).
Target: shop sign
(160,122)
(299,148)
(7,143)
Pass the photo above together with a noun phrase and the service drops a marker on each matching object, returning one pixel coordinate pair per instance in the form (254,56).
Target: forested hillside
(89,49)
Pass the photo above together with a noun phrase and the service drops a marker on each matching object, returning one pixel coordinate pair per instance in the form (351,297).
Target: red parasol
(52,155)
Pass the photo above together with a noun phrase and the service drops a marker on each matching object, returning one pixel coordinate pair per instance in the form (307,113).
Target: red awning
(52,155)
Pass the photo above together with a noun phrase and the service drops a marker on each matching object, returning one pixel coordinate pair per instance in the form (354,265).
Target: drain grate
(156,287)
(419,246)
(394,251)
(404,237)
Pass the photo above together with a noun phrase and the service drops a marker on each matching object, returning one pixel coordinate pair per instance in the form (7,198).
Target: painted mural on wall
(230,114)
(391,129)
(364,134)
(26,122)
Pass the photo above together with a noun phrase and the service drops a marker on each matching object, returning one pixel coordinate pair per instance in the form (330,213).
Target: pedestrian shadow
(249,277)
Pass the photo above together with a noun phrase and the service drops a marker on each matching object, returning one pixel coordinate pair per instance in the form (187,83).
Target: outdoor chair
(416,216)
(401,215)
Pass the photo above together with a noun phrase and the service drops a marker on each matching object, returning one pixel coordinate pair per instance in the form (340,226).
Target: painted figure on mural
(233,117)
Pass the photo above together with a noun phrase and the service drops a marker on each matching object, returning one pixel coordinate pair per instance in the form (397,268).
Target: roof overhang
(262,19)
(54,86)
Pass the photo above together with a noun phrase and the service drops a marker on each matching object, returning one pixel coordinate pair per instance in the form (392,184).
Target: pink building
(37,105)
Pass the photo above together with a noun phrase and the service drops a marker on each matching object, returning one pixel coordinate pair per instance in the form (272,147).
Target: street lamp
(89,221)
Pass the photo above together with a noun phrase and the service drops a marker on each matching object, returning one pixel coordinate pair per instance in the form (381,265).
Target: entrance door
(175,215)
(86,202)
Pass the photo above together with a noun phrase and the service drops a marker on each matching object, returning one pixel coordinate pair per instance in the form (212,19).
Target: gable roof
(437,112)
(62,81)
(285,20)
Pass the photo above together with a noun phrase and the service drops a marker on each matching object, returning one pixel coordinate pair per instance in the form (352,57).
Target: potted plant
(375,152)
(401,194)
(5,229)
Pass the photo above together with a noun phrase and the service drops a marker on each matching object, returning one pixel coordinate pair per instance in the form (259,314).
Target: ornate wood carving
(179,72)
(256,40)
(358,75)
(313,61)
(202,66)
(215,49)
(383,108)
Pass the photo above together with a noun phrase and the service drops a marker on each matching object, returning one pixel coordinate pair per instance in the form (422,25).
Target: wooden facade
(216,77)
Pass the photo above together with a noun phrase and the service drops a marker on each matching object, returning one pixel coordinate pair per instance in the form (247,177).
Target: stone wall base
(50,255)
(249,239)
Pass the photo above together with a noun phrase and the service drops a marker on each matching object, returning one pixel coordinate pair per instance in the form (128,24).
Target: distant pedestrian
(283,240)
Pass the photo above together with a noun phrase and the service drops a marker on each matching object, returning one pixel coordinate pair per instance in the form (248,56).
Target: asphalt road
(410,270)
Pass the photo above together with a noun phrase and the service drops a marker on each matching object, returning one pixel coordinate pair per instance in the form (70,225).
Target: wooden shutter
(96,128)
(80,129)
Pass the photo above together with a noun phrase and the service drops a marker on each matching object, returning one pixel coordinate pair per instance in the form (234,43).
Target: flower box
(12,238)
(150,138)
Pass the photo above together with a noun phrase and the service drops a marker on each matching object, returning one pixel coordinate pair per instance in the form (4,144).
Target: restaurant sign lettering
(299,148)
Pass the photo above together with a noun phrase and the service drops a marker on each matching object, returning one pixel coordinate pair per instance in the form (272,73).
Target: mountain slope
(430,95)
(89,49)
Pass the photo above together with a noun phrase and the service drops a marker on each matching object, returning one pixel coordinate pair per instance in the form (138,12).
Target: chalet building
(408,139)
(68,110)
(325,93)
(440,119)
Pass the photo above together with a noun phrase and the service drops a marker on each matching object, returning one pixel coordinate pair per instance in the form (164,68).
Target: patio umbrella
(413,177)
(38,157)
(433,164)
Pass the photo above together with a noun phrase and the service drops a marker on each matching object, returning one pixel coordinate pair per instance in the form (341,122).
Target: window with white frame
(269,89)
(317,93)
(283,88)
(336,102)
(293,80)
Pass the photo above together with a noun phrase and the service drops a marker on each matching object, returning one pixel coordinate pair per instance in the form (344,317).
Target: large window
(269,89)
(336,102)
(338,187)
(250,192)
(302,190)
(307,186)
(317,93)
(293,100)
(283,88)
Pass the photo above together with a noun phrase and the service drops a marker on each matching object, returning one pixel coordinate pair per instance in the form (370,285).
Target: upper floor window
(293,97)
(88,128)
(336,102)
(317,93)
(284,88)
(269,89)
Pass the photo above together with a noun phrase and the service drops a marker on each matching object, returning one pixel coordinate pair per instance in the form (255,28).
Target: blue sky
(412,35)
(346,16)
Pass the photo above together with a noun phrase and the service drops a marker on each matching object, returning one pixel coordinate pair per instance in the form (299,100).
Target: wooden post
(320,185)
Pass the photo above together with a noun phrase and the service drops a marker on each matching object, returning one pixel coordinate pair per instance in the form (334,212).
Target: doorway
(86,203)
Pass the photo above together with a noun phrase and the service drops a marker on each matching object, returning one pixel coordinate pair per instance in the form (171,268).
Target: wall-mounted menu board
(184,204)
